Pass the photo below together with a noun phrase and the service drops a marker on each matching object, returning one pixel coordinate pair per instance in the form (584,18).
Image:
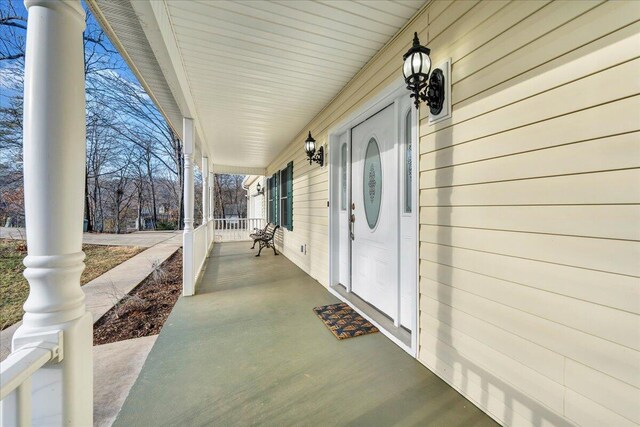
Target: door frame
(385,97)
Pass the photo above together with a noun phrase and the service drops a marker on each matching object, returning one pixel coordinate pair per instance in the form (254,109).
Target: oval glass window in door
(372,183)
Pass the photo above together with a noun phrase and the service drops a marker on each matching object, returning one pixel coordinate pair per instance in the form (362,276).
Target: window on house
(286,197)
(343,177)
(272,197)
(280,198)
(408,165)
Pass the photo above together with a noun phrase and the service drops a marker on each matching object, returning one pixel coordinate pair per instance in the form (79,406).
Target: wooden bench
(265,239)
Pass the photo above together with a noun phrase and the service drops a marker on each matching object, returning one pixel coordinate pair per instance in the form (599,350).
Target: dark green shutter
(290,196)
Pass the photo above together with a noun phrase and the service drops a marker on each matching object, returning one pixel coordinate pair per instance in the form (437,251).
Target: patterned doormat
(343,321)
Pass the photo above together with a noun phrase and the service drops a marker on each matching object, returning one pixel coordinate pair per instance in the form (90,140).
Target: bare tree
(132,153)
(230,196)
(12,42)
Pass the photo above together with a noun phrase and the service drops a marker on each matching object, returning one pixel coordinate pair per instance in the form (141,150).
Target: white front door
(374,182)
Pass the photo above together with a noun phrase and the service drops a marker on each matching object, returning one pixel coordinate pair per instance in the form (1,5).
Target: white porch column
(188,268)
(54,166)
(205,190)
(211,196)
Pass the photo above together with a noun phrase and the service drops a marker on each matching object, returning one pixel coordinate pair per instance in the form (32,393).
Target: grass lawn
(14,287)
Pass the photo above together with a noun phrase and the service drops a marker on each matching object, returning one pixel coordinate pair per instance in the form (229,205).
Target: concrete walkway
(248,350)
(117,365)
(143,239)
(115,368)
(103,292)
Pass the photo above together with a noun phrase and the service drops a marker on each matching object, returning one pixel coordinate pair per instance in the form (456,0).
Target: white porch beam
(240,170)
(188,268)
(54,173)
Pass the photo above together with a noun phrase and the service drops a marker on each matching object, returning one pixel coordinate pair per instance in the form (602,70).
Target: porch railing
(200,247)
(15,378)
(196,245)
(235,229)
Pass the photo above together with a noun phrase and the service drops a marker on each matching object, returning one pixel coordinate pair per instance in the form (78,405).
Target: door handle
(352,220)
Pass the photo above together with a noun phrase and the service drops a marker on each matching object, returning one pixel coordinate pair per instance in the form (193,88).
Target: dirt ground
(14,288)
(145,309)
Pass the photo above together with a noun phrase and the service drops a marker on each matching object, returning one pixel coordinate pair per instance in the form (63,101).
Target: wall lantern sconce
(259,189)
(417,65)
(313,155)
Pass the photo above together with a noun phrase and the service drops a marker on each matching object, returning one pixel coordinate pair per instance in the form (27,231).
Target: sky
(11,81)
(8,87)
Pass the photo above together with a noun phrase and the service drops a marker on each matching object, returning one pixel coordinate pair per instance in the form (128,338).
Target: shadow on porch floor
(248,350)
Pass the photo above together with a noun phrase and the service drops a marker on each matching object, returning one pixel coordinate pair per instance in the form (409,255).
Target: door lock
(353,206)
(353,218)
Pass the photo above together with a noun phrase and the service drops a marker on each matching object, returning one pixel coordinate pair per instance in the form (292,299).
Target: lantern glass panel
(406,68)
(310,146)
(417,62)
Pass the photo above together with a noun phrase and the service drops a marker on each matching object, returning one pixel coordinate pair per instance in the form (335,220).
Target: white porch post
(211,196)
(54,166)
(188,268)
(205,202)
(205,190)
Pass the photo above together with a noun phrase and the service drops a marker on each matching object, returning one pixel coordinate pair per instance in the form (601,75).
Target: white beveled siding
(529,219)
(530,206)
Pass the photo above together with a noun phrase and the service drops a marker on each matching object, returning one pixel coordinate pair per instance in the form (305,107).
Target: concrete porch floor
(248,350)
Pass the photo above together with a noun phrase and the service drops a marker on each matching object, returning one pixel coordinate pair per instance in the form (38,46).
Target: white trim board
(412,351)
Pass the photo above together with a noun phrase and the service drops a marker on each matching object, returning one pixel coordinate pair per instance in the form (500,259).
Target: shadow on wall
(467,369)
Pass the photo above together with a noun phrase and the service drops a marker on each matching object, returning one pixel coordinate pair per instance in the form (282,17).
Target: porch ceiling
(251,73)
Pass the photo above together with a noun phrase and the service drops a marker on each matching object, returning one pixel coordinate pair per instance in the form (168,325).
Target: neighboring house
(144,221)
(495,242)
(231,214)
